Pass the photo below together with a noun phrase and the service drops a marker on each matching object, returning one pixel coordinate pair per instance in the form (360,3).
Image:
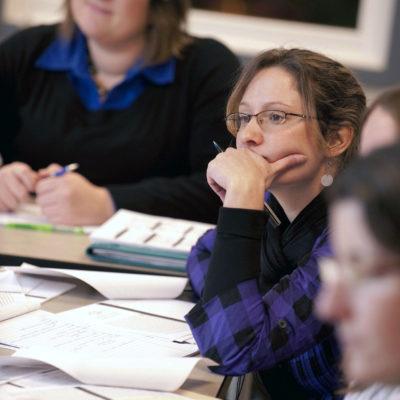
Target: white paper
(166,374)
(13,301)
(85,392)
(134,228)
(42,289)
(175,309)
(13,372)
(53,332)
(46,378)
(100,313)
(115,285)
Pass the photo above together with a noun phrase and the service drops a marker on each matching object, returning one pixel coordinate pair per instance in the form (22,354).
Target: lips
(94,7)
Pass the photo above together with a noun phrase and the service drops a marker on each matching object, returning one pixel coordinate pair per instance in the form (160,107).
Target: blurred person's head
(306,103)
(381,125)
(360,293)
(158,24)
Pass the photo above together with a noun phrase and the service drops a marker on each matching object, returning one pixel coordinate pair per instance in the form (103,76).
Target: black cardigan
(152,156)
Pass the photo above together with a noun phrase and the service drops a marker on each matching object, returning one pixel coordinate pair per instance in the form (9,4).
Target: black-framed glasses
(268,120)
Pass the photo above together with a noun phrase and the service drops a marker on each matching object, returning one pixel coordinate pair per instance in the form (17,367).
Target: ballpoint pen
(67,168)
(274,218)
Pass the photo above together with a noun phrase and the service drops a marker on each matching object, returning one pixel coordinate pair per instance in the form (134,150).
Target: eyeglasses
(331,271)
(268,120)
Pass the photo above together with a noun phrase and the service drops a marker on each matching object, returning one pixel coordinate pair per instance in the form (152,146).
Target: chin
(365,372)
(288,179)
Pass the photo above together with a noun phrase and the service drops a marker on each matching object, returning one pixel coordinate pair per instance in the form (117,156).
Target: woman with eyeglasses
(122,89)
(360,293)
(296,118)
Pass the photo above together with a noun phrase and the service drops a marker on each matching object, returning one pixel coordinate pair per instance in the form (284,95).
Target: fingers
(217,189)
(16,181)
(290,161)
(48,171)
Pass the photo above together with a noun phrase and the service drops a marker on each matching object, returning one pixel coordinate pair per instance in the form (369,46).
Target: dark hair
(374,181)
(166,34)
(389,101)
(328,90)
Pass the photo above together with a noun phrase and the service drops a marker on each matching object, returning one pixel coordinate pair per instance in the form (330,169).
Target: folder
(155,242)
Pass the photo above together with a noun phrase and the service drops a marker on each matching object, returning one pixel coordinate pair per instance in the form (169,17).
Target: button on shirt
(71,56)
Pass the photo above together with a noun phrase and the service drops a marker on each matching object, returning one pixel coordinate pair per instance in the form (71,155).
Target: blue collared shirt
(71,56)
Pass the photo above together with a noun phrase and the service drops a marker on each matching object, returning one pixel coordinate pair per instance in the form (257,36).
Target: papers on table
(129,319)
(87,392)
(122,344)
(13,301)
(146,240)
(174,309)
(115,285)
(53,331)
(37,287)
(94,353)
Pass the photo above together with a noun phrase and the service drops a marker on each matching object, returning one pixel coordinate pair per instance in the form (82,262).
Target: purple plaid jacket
(246,331)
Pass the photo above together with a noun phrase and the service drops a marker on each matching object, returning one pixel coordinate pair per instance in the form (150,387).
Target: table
(58,250)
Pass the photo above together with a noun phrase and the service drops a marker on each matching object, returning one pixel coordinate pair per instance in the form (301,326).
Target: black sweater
(152,156)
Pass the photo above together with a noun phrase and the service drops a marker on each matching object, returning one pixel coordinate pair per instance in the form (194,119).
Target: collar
(72,56)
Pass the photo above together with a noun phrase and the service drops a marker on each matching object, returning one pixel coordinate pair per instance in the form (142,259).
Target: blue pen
(65,169)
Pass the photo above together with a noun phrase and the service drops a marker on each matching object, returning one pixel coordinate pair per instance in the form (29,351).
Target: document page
(13,301)
(150,373)
(42,289)
(116,285)
(53,332)
(87,392)
(174,309)
(104,314)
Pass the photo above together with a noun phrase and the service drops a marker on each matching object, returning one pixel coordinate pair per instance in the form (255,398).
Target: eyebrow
(266,105)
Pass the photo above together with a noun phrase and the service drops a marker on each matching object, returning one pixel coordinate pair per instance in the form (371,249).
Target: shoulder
(29,42)
(207,53)
(201,47)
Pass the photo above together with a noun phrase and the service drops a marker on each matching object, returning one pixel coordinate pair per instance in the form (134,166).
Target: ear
(338,141)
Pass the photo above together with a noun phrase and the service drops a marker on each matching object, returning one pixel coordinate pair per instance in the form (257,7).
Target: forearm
(237,248)
(187,197)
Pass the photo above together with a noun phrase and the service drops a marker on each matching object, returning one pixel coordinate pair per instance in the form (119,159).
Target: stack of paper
(145,240)
(124,344)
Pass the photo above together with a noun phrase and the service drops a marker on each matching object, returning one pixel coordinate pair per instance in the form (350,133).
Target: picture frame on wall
(364,46)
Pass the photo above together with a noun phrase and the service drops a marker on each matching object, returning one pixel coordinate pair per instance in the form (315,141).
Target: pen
(275,220)
(46,227)
(65,169)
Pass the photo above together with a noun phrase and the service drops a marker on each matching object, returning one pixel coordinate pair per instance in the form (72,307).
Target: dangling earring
(327,178)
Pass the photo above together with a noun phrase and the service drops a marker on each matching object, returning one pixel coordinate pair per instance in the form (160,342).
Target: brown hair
(166,34)
(388,101)
(329,91)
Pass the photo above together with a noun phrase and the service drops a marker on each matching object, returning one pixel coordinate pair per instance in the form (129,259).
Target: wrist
(251,197)
(106,203)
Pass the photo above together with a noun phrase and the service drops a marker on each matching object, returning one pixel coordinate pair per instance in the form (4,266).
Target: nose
(332,303)
(251,135)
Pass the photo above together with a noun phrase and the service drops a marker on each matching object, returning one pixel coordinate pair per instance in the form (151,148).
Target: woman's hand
(17,180)
(72,200)
(240,177)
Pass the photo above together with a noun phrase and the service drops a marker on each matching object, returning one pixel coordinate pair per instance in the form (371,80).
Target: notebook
(134,238)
